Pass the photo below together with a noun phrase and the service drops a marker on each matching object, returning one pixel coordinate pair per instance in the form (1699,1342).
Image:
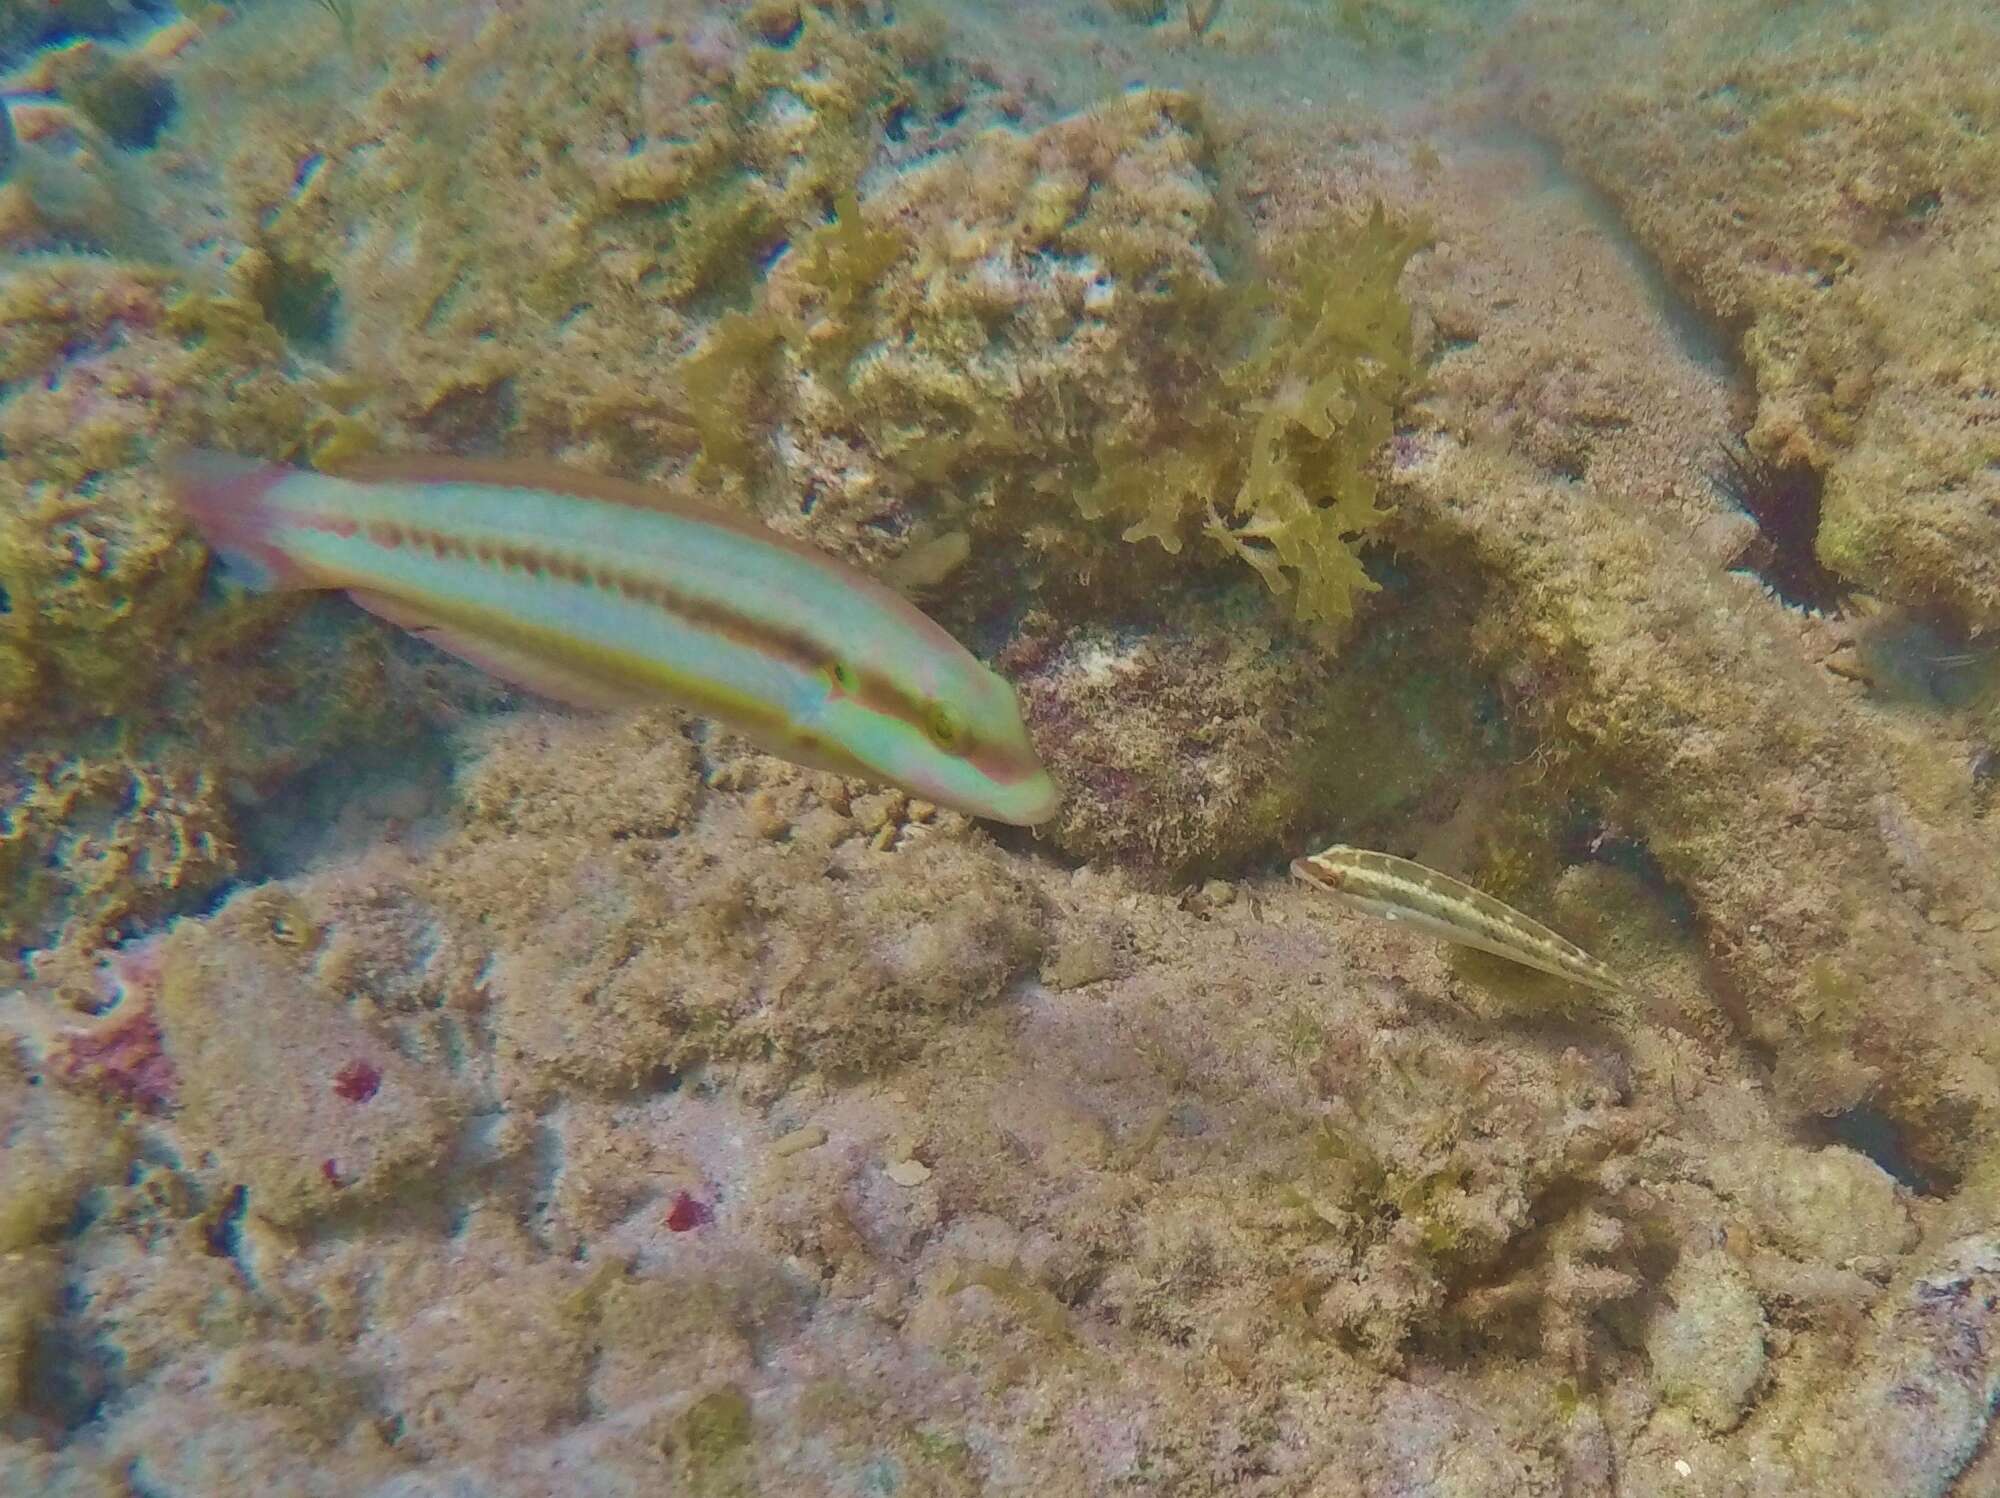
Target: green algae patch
(714,1428)
(721,379)
(1289,494)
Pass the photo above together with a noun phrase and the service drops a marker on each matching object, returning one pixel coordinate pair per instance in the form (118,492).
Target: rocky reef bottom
(657,1113)
(409,1091)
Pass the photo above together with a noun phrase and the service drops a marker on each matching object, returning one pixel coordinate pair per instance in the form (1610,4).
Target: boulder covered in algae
(906,308)
(1707,731)
(1219,737)
(300,1101)
(945,326)
(1828,193)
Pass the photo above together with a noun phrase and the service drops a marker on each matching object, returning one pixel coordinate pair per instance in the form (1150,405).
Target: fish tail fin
(228,499)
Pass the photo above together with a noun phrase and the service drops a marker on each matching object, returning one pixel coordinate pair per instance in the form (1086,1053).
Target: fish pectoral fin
(511,665)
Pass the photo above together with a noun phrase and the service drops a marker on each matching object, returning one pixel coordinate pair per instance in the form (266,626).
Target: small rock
(1829,1204)
(909,1172)
(1706,1342)
(1079,960)
(811,1137)
(1920,1406)
(1724,539)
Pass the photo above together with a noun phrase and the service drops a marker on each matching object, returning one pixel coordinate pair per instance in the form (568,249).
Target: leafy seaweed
(1290,494)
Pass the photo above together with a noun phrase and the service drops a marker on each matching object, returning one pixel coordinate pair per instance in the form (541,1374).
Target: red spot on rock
(686,1213)
(331,1170)
(357,1081)
(123,1057)
(121,1053)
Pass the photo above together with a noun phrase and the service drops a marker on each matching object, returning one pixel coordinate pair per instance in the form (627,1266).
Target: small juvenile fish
(603,594)
(1438,905)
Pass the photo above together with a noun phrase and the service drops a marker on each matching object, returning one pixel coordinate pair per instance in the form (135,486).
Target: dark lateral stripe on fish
(873,690)
(532,561)
(553,478)
(607,667)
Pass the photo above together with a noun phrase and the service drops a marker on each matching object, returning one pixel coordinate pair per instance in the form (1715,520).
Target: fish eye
(943,725)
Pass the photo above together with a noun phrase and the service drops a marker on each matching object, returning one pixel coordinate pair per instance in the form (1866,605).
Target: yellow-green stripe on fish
(1396,889)
(604,594)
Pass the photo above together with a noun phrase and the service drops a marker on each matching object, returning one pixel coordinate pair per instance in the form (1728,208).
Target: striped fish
(603,594)
(1438,905)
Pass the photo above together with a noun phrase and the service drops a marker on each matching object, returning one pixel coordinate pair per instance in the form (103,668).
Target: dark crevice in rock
(1869,1131)
(1784,500)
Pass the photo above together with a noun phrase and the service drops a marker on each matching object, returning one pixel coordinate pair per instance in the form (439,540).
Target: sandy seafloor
(1557,441)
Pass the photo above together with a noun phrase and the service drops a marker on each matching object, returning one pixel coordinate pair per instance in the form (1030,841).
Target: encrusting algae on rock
(1830,191)
(300,1102)
(676,922)
(993,340)
(125,690)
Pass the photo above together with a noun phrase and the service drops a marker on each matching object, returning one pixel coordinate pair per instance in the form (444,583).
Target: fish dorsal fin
(509,473)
